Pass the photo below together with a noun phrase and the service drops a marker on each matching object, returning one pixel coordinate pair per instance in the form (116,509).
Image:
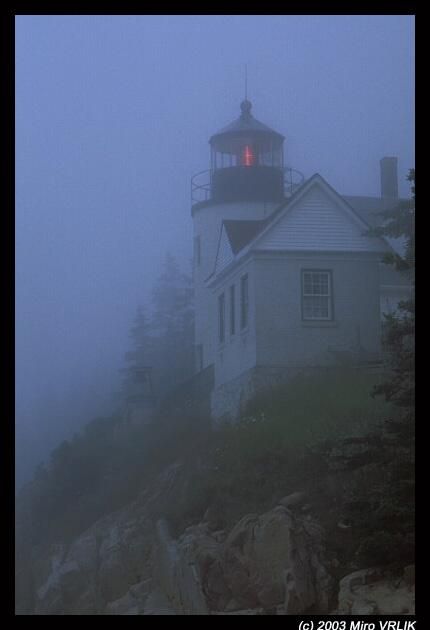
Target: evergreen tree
(163,341)
(394,502)
(400,326)
(142,353)
(139,333)
(388,534)
(172,325)
(172,298)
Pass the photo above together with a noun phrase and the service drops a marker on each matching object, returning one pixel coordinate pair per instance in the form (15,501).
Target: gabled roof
(246,235)
(299,193)
(233,237)
(240,233)
(369,208)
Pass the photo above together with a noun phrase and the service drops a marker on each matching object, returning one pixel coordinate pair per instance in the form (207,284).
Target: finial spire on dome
(246,105)
(245,108)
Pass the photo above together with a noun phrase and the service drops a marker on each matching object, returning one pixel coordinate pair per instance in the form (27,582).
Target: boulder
(203,549)
(293,500)
(124,556)
(126,605)
(157,603)
(71,582)
(141,590)
(62,586)
(114,575)
(49,599)
(177,575)
(100,567)
(272,560)
(85,553)
(371,592)
(265,563)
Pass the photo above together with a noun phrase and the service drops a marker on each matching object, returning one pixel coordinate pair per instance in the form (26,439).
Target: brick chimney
(389,185)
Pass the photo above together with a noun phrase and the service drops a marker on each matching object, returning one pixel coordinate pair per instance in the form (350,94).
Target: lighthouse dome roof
(245,125)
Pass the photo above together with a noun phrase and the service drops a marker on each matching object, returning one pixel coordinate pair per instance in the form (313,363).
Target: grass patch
(251,464)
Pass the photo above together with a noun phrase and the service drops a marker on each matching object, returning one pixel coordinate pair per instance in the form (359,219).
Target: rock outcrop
(123,565)
(107,568)
(176,575)
(375,592)
(266,561)
(99,568)
(272,563)
(275,559)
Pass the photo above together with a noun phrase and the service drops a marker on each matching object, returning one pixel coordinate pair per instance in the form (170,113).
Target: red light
(248,156)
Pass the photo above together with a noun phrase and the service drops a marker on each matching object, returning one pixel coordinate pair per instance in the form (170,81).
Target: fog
(113,117)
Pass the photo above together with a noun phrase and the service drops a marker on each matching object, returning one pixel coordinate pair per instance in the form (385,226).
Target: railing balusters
(201,191)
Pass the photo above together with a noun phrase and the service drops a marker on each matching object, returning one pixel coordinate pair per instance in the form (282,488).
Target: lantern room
(247,161)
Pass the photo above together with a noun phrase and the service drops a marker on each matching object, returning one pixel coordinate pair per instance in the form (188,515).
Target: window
(248,157)
(244,302)
(221,318)
(197,250)
(199,357)
(232,310)
(317,295)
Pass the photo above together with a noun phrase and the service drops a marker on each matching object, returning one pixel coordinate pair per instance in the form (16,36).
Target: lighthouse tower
(246,181)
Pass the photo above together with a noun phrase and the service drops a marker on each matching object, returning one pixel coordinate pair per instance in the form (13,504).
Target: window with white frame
(317,294)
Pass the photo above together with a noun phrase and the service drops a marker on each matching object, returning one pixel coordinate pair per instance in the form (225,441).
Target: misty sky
(113,116)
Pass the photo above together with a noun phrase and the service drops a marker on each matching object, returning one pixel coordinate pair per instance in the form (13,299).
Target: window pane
(316,295)
(324,284)
(307,282)
(307,307)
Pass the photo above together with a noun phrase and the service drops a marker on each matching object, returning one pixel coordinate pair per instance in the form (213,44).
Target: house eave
(216,280)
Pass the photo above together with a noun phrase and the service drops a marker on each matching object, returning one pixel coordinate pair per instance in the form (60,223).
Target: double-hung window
(317,294)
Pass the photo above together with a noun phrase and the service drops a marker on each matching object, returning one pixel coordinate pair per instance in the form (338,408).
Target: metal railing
(293,179)
(201,184)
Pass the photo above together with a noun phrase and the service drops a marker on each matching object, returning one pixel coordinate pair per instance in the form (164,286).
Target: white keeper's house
(285,276)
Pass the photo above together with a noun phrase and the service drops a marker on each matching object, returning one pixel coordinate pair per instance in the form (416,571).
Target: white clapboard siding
(318,222)
(225,253)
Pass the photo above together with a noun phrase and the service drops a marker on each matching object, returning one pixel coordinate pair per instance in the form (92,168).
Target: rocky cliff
(276,562)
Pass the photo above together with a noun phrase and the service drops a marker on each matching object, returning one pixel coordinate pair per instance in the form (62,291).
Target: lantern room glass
(247,152)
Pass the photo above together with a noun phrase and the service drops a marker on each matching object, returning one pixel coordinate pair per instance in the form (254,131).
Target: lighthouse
(247,181)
